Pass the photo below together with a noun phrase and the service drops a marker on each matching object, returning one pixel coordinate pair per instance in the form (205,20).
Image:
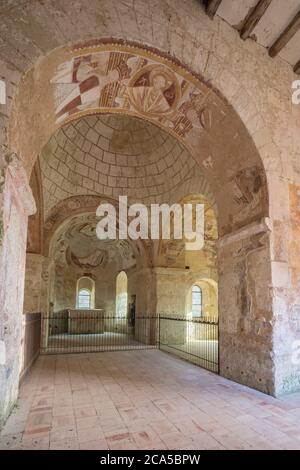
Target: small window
(196,301)
(121,295)
(84,298)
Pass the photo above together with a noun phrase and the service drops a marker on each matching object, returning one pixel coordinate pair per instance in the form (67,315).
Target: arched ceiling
(77,245)
(113,155)
(107,75)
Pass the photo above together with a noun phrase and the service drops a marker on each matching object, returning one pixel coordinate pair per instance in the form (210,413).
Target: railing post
(159,331)
(218,326)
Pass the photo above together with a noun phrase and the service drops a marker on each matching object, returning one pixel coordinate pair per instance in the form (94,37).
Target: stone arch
(216,129)
(185,106)
(36,221)
(69,208)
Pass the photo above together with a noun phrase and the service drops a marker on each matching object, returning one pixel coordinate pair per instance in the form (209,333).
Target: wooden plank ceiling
(275,24)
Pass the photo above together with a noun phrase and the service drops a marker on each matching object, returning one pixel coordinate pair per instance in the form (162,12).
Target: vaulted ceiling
(117,155)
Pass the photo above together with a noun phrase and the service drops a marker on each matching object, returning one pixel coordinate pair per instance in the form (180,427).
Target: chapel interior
(144,343)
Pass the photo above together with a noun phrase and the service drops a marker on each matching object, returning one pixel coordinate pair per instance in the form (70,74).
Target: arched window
(196,301)
(85,293)
(84,298)
(121,295)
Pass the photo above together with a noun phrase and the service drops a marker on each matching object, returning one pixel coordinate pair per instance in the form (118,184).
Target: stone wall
(31,342)
(65,283)
(141,282)
(245,309)
(33,283)
(18,204)
(286,298)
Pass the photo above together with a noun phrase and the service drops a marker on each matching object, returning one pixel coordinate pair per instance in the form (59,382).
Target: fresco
(78,245)
(129,82)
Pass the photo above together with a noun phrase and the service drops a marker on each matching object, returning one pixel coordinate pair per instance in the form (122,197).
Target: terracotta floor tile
(65,444)
(123,444)
(58,434)
(10,441)
(87,422)
(85,411)
(97,444)
(90,434)
(144,400)
(41,443)
(13,427)
(63,411)
(37,432)
(38,420)
(62,421)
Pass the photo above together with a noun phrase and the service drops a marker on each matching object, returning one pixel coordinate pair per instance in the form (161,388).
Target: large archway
(107,76)
(110,77)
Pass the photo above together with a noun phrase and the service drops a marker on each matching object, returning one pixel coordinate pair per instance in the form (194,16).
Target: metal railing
(193,339)
(92,333)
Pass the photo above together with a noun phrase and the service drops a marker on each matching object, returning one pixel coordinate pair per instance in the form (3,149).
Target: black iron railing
(193,339)
(93,333)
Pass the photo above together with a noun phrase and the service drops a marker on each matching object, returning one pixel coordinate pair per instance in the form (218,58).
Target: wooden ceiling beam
(285,36)
(297,68)
(212,6)
(253,17)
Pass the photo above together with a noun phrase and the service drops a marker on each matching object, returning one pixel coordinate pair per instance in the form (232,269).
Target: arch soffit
(117,77)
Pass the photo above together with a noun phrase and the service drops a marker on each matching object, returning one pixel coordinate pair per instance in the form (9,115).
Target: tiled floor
(145,400)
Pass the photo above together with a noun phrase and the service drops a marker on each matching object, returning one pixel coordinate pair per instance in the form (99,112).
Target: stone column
(171,301)
(18,204)
(245,307)
(285,256)
(142,284)
(33,283)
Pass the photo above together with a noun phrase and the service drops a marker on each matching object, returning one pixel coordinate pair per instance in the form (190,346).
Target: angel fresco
(89,81)
(126,82)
